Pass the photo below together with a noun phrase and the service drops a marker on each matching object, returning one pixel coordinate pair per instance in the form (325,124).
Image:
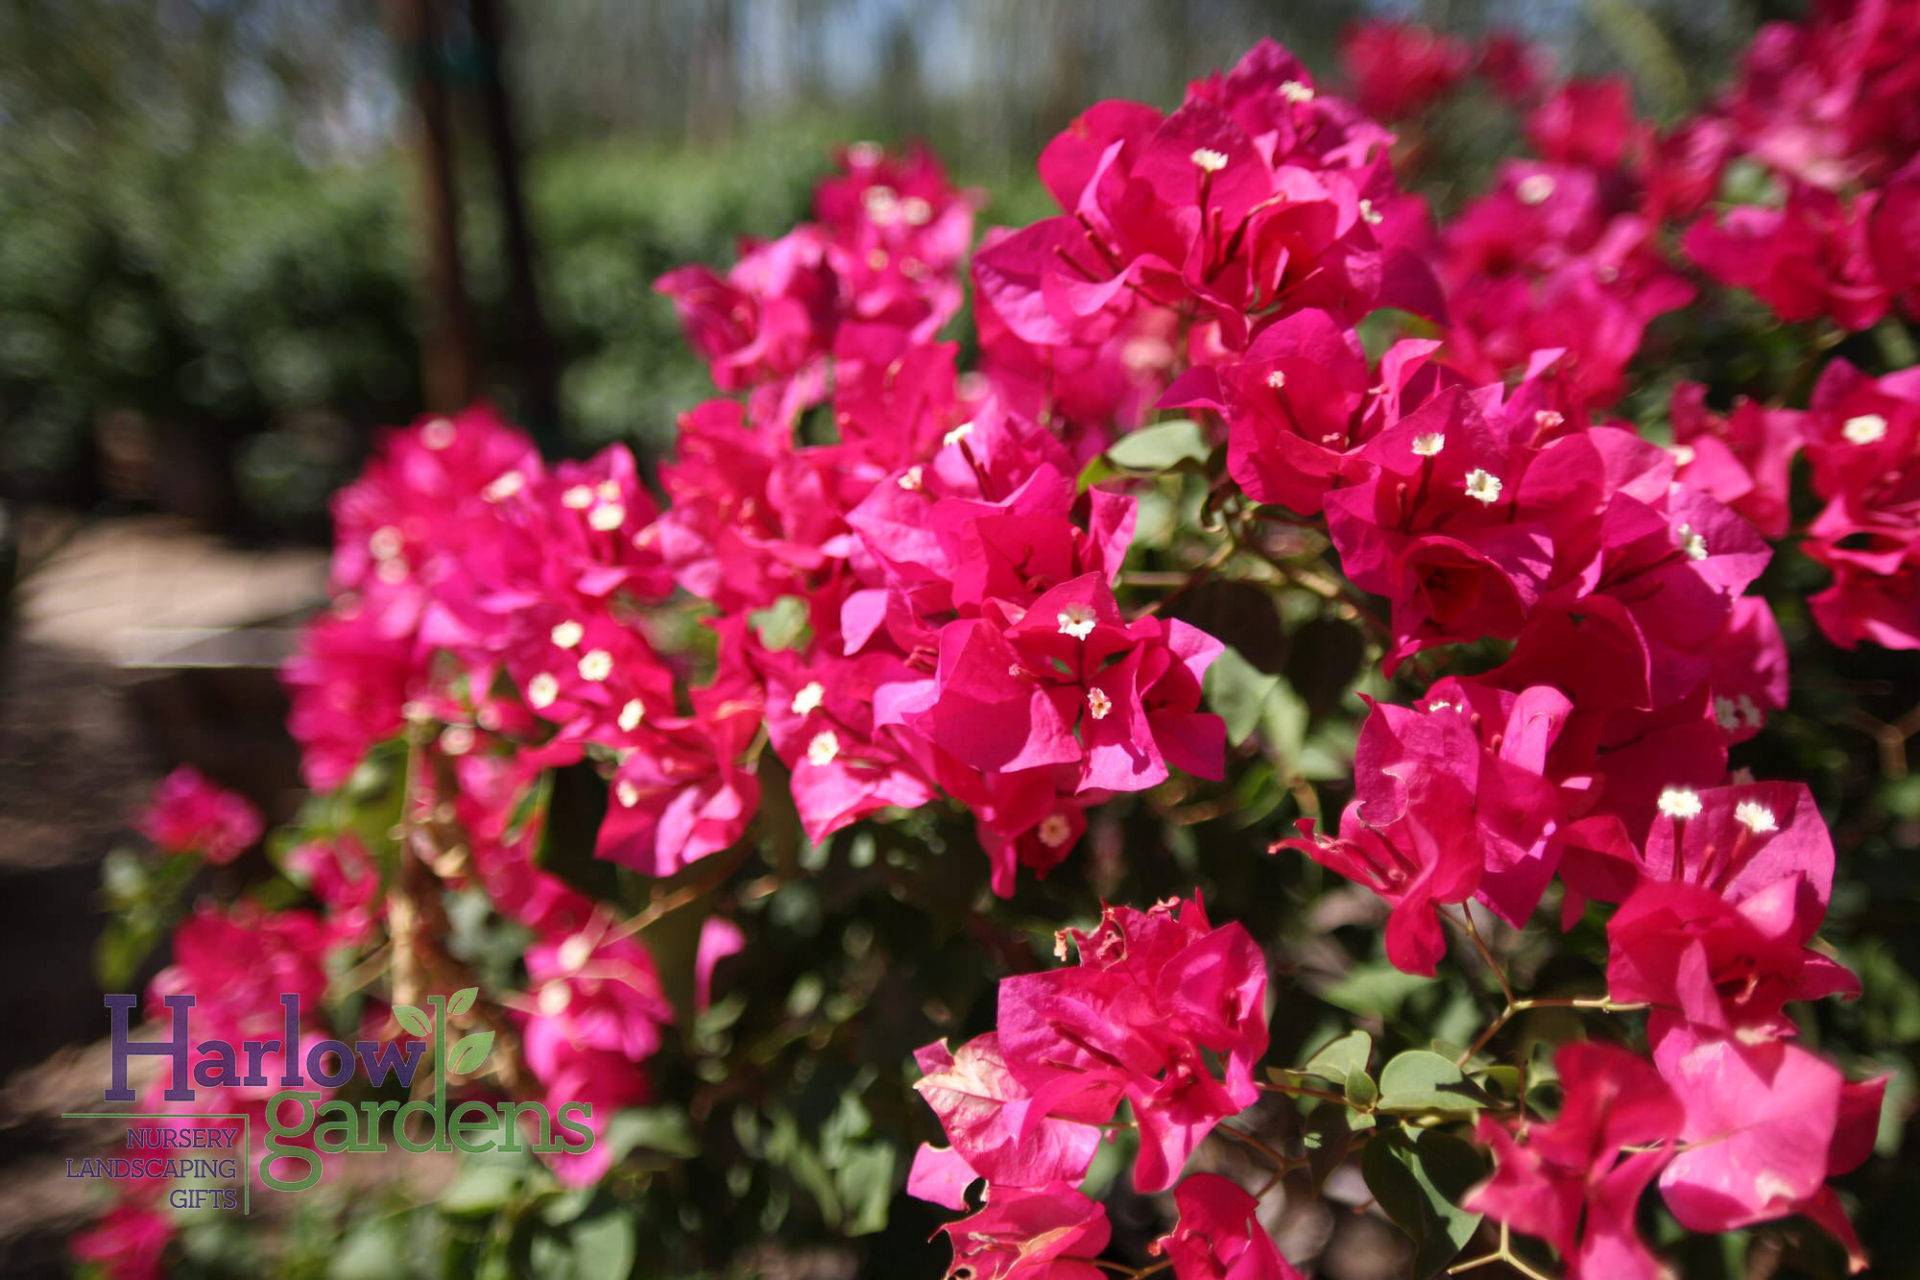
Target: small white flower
(1868,428)
(1208,160)
(824,747)
(1099,704)
(808,700)
(958,434)
(916,211)
(504,486)
(1483,486)
(554,999)
(1277,379)
(394,570)
(1294,91)
(567,634)
(1548,419)
(456,739)
(882,204)
(1055,830)
(607,517)
(577,498)
(1428,444)
(876,259)
(542,690)
(912,479)
(575,952)
(630,715)
(1680,802)
(1076,620)
(596,666)
(1683,454)
(1755,817)
(1534,188)
(1694,544)
(626,793)
(438,434)
(1370,215)
(386,542)
(1736,713)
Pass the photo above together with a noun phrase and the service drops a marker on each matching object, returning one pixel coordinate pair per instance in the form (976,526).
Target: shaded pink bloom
(1398,68)
(190,814)
(1218,1235)
(1043,1233)
(992,1123)
(128,1242)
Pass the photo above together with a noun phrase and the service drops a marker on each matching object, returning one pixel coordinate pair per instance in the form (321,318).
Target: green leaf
(1373,988)
(1342,1058)
(782,624)
(662,1129)
(462,1000)
(603,1247)
(469,1053)
(1419,1177)
(412,1020)
(1361,1090)
(481,1189)
(1161,447)
(1328,1139)
(1237,691)
(1420,1080)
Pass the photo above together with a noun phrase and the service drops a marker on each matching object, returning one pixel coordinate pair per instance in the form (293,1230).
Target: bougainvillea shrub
(1109,736)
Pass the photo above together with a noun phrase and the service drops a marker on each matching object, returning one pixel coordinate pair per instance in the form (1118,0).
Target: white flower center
(1076,620)
(630,715)
(575,952)
(1534,188)
(1294,91)
(808,700)
(596,666)
(1277,379)
(568,634)
(1483,486)
(504,486)
(626,793)
(386,542)
(1680,802)
(1868,428)
(1099,704)
(824,747)
(542,690)
(456,739)
(958,434)
(1208,160)
(438,434)
(1755,817)
(607,517)
(1683,454)
(1055,830)
(912,479)
(1428,444)
(1694,544)
(1370,215)
(577,498)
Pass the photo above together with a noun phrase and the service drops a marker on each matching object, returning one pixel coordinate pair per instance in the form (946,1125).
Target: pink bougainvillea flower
(1434,808)
(1155,993)
(190,814)
(128,1242)
(1218,1235)
(1576,1181)
(991,1121)
(1037,1233)
(1767,1124)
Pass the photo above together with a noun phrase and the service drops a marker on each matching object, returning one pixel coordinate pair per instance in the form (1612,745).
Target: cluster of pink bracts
(962,636)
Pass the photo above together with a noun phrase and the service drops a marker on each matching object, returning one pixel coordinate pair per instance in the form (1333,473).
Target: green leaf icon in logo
(470,1053)
(413,1020)
(462,1000)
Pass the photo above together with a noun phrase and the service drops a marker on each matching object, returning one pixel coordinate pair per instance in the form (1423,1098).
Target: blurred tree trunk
(449,371)
(534,356)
